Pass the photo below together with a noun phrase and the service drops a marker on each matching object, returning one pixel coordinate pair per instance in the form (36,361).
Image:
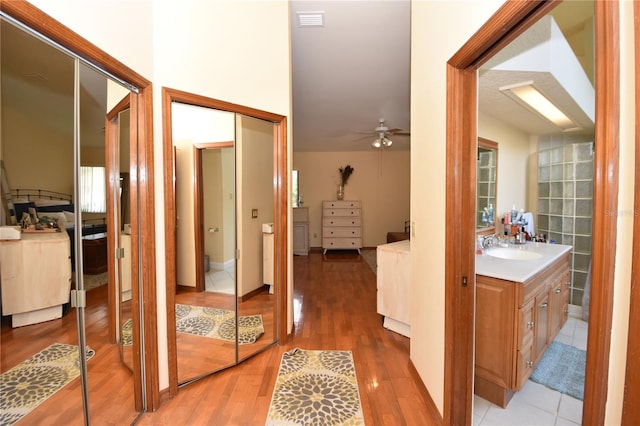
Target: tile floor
(536,404)
(220,281)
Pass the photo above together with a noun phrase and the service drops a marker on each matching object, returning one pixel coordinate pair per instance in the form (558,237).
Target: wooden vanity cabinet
(515,323)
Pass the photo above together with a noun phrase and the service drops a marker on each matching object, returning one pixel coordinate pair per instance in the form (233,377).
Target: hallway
(334,308)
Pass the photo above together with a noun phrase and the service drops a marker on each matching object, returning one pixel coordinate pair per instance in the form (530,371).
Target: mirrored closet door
(224,289)
(62,250)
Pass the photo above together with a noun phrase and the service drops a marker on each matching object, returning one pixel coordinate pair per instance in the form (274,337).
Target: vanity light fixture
(527,95)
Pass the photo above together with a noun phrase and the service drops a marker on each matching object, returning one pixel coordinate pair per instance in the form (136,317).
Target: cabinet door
(556,308)
(541,328)
(495,330)
(300,238)
(525,365)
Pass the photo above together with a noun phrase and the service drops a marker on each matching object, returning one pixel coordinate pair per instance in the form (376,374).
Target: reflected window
(93,198)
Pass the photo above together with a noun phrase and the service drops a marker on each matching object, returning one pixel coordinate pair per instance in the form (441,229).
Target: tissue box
(10,233)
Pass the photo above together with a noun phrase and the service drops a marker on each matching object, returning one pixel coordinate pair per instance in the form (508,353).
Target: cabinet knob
(529,364)
(530,324)
(544,305)
(557,291)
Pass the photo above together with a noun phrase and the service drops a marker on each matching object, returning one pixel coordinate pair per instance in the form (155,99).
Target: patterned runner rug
(218,324)
(31,382)
(316,388)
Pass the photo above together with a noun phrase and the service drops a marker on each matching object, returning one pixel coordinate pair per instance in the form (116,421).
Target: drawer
(341,221)
(340,212)
(341,243)
(341,204)
(342,232)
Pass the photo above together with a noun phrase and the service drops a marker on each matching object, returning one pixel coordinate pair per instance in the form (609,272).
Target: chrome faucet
(488,240)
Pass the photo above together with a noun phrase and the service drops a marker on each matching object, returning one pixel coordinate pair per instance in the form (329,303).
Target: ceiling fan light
(387,142)
(377,143)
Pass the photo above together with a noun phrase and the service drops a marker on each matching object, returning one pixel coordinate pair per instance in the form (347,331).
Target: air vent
(310,19)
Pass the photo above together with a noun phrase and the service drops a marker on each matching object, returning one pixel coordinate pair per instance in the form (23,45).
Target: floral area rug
(127,336)
(218,324)
(316,388)
(31,382)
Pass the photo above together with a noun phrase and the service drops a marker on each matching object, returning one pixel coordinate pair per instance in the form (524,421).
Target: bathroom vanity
(522,295)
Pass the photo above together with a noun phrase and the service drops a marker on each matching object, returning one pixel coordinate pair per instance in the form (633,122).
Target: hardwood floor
(335,308)
(110,382)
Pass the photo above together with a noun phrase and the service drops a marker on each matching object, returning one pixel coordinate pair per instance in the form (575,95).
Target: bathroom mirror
(224,304)
(487,184)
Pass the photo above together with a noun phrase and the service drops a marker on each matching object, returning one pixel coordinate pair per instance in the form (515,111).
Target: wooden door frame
(513,18)
(143,267)
(198,205)
(281,209)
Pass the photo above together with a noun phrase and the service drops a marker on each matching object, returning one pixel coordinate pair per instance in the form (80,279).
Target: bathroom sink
(513,253)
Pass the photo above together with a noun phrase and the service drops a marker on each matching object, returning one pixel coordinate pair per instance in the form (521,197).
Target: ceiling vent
(310,19)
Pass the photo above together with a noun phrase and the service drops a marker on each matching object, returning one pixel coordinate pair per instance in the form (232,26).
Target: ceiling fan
(382,132)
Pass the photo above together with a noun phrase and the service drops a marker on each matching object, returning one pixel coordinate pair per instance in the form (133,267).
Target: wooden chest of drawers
(341,225)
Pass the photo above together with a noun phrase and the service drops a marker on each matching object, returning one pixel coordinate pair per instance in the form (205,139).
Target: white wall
(433,43)
(513,155)
(380,180)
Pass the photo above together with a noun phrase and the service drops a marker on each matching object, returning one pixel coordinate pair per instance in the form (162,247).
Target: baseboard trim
(437,418)
(185,289)
(264,288)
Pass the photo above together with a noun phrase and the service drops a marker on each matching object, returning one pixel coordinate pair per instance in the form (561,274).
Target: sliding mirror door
(224,285)
(55,151)
(256,265)
(205,300)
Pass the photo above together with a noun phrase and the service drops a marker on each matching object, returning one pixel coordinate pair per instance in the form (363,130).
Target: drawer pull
(557,291)
(544,305)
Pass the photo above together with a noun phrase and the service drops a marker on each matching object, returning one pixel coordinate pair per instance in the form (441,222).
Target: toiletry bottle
(491,213)
(514,214)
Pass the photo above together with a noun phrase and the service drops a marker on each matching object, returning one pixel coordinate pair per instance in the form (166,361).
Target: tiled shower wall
(486,182)
(565,201)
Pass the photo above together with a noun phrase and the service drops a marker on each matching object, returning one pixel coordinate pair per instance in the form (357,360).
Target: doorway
(506,24)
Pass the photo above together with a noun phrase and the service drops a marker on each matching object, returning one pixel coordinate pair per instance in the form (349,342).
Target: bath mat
(31,382)
(316,388)
(218,324)
(562,368)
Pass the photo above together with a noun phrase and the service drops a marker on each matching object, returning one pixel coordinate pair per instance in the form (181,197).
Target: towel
(528,219)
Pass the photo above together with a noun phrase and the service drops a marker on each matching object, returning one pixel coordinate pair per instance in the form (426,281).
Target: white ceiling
(356,69)
(347,74)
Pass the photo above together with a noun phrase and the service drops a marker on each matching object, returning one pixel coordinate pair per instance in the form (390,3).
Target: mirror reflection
(225,300)
(54,162)
(486,184)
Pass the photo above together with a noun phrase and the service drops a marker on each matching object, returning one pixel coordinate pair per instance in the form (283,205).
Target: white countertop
(519,270)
